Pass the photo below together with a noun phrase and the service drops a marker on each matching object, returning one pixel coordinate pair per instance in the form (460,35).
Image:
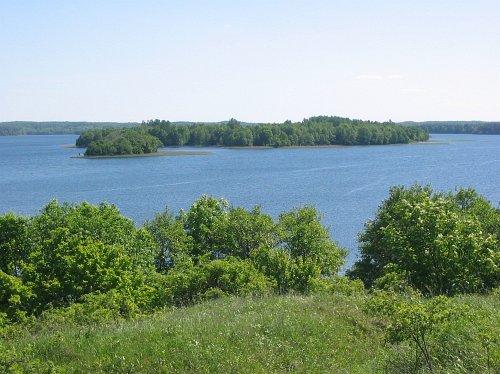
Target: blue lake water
(346,183)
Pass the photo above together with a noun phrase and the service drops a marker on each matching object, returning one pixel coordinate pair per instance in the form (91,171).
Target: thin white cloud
(395,76)
(369,77)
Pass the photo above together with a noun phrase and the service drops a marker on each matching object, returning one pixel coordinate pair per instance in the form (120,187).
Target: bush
(415,319)
(187,282)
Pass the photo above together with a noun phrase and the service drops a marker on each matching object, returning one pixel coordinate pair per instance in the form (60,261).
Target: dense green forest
(460,127)
(74,272)
(314,131)
(55,127)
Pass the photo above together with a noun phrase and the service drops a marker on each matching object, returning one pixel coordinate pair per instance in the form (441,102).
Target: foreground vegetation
(310,132)
(330,333)
(81,285)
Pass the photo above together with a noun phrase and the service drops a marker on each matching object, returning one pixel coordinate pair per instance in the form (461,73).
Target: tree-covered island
(315,131)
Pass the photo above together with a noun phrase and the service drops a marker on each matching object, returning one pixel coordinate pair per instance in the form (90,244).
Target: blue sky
(253,60)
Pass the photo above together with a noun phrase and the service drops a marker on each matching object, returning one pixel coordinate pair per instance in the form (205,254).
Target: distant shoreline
(154,154)
(286,147)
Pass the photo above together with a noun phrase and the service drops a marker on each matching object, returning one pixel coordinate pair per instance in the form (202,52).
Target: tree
(69,251)
(305,238)
(172,242)
(244,231)
(436,241)
(202,223)
(12,248)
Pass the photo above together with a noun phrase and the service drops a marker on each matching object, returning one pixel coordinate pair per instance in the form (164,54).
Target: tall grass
(275,334)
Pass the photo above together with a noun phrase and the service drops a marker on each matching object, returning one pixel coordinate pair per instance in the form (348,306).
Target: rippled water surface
(346,183)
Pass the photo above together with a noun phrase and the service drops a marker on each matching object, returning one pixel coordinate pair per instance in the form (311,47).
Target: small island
(317,131)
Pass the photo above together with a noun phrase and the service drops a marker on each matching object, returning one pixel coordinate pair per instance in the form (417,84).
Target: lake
(345,183)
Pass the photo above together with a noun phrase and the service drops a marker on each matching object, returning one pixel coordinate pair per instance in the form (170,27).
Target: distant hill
(56,127)
(69,127)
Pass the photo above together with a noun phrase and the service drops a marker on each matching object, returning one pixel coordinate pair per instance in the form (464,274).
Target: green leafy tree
(12,238)
(436,241)
(202,222)
(69,251)
(172,241)
(304,237)
(243,231)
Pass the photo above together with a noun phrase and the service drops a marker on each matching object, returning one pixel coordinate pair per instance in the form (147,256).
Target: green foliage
(291,252)
(108,142)
(55,127)
(87,262)
(87,269)
(322,333)
(70,266)
(202,224)
(438,243)
(306,239)
(15,299)
(244,231)
(187,282)
(12,235)
(442,331)
(458,127)
(338,285)
(66,252)
(313,131)
(9,360)
(300,253)
(289,273)
(239,335)
(275,264)
(172,241)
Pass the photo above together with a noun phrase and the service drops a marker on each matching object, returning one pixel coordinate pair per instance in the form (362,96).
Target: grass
(275,334)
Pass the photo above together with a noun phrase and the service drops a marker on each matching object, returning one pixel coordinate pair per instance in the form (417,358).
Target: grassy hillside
(275,334)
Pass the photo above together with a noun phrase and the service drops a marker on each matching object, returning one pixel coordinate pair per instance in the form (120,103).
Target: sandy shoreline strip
(154,154)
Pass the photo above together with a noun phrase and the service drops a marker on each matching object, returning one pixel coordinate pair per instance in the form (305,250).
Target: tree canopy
(81,253)
(439,243)
(109,142)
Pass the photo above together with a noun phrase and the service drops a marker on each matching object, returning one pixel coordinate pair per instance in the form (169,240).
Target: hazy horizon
(256,61)
(225,120)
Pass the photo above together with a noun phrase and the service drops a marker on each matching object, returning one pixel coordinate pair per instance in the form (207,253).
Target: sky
(257,61)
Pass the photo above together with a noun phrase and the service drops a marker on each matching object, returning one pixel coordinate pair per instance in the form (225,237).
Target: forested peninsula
(315,131)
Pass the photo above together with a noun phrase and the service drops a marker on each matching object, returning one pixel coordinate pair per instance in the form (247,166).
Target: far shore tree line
(67,127)
(56,127)
(458,127)
(315,131)
(82,254)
